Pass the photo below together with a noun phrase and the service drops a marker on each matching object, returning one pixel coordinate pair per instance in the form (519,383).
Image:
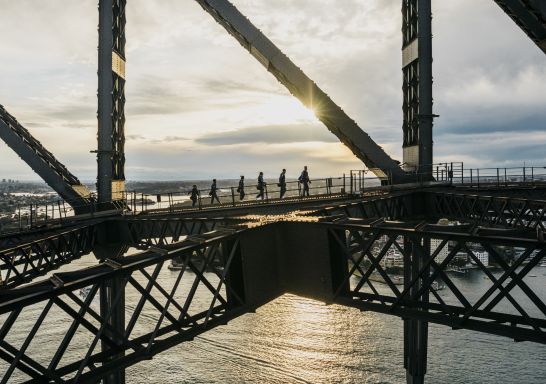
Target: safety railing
(232,196)
(58,211)
(34,215)
(502,177)
(356,182)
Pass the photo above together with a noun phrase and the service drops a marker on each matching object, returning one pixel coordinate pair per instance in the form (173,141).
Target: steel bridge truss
(393,206)
(502,212)
(216,279)
(424,287)
(362,254)
(23,262)
(166,312)
(35,254)
(147,232)
(474,209)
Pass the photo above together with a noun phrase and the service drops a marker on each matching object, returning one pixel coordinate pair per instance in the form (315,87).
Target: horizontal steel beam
(495,211)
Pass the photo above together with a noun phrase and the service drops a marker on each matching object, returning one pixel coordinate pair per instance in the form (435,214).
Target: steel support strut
(111,98)
(110,154)
(112,308)
(415,331)
(417,86)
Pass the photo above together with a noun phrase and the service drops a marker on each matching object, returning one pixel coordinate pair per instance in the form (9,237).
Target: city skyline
(197,101)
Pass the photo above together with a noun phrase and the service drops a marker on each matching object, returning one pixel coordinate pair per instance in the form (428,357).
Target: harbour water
(297,340)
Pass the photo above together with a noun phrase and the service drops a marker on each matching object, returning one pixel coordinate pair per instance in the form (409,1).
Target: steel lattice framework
(419,294)
(23,262)
(168,311)
(172,313)
(335,251)
(503,212)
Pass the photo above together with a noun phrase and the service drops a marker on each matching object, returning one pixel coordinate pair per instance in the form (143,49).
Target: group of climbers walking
(261,186)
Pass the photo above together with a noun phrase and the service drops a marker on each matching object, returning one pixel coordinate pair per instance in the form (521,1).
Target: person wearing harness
(194,195)
(261,186)
(282,183)
(241,188)
(304,179)
(213,195)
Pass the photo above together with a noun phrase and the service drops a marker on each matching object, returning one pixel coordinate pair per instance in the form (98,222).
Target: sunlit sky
(199,106)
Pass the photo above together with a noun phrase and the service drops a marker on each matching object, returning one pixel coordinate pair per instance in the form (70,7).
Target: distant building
(435,243)
(483,257)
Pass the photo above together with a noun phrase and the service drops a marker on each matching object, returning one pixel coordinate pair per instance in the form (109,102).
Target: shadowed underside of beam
(530,16)
(55,174)
(302,87)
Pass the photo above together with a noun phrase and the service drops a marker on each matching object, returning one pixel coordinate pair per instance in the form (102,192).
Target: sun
(280,109)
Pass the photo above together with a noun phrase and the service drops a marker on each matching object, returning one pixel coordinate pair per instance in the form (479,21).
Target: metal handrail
(355,183)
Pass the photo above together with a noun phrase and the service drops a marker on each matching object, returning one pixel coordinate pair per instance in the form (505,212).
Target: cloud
(270,134)
(191,87)
(493,149)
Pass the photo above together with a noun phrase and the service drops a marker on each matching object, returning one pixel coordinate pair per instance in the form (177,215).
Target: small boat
(173,266)
(438,286)
(531,275)
(543,264)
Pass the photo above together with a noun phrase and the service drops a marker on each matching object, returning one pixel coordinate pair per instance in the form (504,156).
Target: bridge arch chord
(304,89)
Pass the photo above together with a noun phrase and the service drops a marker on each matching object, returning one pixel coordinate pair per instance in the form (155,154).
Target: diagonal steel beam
(51,170)
(530,16)
(304,89)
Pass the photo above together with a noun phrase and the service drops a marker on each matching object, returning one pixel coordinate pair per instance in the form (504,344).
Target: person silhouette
(304,179)
(282,183)
(194,195)
(213,192)
(241,188)
(260,186)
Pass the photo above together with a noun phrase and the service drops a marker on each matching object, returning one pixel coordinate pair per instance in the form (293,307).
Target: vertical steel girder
(530,16)
(111,99)
(417,85)
(416,330)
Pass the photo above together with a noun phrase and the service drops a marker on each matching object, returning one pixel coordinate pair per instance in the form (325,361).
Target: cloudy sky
(198,105)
